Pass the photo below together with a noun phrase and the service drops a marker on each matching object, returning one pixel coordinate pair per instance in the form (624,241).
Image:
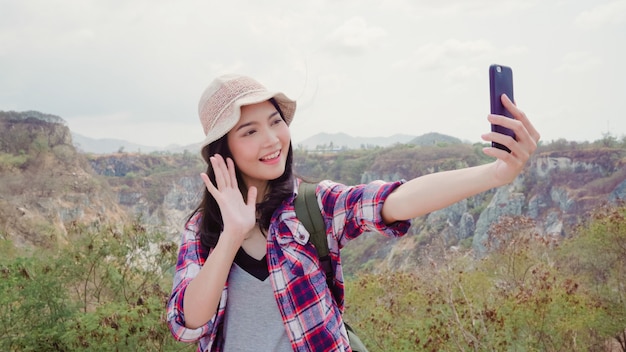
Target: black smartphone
(500,82)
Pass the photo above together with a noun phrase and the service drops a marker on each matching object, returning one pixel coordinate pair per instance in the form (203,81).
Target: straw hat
(220,105)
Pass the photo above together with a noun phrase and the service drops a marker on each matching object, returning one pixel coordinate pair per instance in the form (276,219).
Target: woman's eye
(277,121)
(249,132)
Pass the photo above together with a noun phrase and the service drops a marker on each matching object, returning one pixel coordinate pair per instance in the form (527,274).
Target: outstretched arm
(204,291)
(435,191)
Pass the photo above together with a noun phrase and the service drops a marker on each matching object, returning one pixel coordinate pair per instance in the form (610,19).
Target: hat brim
(287,107)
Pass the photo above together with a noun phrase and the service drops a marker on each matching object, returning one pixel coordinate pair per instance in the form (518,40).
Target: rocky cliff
(161,190)
(45,184)
(556,191)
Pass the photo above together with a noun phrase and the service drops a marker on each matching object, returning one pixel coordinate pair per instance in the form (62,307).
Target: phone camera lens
(499,69)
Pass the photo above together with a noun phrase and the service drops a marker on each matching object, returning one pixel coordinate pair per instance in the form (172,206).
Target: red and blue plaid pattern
(311,316)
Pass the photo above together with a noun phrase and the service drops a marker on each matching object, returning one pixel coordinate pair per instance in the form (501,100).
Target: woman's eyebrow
(244,125)
(272,115)
(252,122)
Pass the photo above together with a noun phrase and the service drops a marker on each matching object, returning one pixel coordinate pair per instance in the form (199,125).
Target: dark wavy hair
(211,223)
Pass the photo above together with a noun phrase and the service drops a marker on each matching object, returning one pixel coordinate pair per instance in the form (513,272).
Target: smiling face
(259,144)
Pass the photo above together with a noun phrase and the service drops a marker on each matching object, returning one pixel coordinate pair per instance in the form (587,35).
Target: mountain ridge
(45,179)
(320,141)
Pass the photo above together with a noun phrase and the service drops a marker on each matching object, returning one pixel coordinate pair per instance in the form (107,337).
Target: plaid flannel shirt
(311,316)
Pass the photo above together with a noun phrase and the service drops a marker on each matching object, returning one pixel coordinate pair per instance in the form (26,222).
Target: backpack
(308,212)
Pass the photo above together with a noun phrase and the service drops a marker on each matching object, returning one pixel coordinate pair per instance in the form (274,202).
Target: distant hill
(46,184)
(338,141)
(107,145)
(345,141)
(111,145)
(434,138)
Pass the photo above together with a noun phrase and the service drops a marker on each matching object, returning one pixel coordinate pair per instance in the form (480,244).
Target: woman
(247,278)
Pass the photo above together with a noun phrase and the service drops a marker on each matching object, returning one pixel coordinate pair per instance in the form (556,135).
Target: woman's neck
(255,243)
(262,190)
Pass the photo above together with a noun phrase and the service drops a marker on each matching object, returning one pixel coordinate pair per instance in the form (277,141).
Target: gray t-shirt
(252,321)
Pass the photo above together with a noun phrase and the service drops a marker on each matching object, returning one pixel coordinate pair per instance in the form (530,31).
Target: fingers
(238,214)
(220,170)
(225,175)
(207,182)
(512,158)
(232,175)
(252,192)
(519,115)
(509,165)
(520,147)
(526,136)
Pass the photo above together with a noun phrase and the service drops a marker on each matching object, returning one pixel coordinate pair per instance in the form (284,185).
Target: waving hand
(239,215)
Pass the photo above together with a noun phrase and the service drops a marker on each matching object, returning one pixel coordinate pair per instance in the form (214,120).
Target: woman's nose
(271,137)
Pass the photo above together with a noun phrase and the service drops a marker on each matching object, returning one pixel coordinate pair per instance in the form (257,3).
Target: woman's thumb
(252,191)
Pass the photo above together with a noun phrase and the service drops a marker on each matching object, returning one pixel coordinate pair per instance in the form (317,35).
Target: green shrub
(106,291)
(531,293)
(9,162)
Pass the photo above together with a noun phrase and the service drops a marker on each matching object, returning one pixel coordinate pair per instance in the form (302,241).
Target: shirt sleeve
(191,257)
(353,210)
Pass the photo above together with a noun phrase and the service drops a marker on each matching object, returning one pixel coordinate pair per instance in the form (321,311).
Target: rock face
(182,195)
(619,193)
(45,184)
(506,202)
(161,200)
(556,190)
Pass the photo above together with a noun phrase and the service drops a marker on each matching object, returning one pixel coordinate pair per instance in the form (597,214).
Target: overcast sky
(135,70)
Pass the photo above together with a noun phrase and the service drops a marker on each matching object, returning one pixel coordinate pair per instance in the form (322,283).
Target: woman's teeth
(271,156)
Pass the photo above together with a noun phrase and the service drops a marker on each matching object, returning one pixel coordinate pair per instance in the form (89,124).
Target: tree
(597,255)
(105,291)
(524,295)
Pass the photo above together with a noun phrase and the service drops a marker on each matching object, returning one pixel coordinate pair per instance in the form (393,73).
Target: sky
(135,70)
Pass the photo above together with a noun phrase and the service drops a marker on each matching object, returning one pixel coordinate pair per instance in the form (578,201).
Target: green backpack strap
(309,214)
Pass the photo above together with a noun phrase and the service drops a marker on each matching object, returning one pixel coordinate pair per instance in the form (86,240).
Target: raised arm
(435,191)
(204,291)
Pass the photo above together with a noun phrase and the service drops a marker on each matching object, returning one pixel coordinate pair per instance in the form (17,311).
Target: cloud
(354,36)
(578,61)
(112,68)
(433,56)
(463,72)
(471,8)
(124,125)
(611,13)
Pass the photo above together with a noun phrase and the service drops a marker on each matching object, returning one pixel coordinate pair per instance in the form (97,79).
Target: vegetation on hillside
(409,161)
(42,175)
(530,293)
(101,283)
(399,161)
(146,176)
(106,291)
